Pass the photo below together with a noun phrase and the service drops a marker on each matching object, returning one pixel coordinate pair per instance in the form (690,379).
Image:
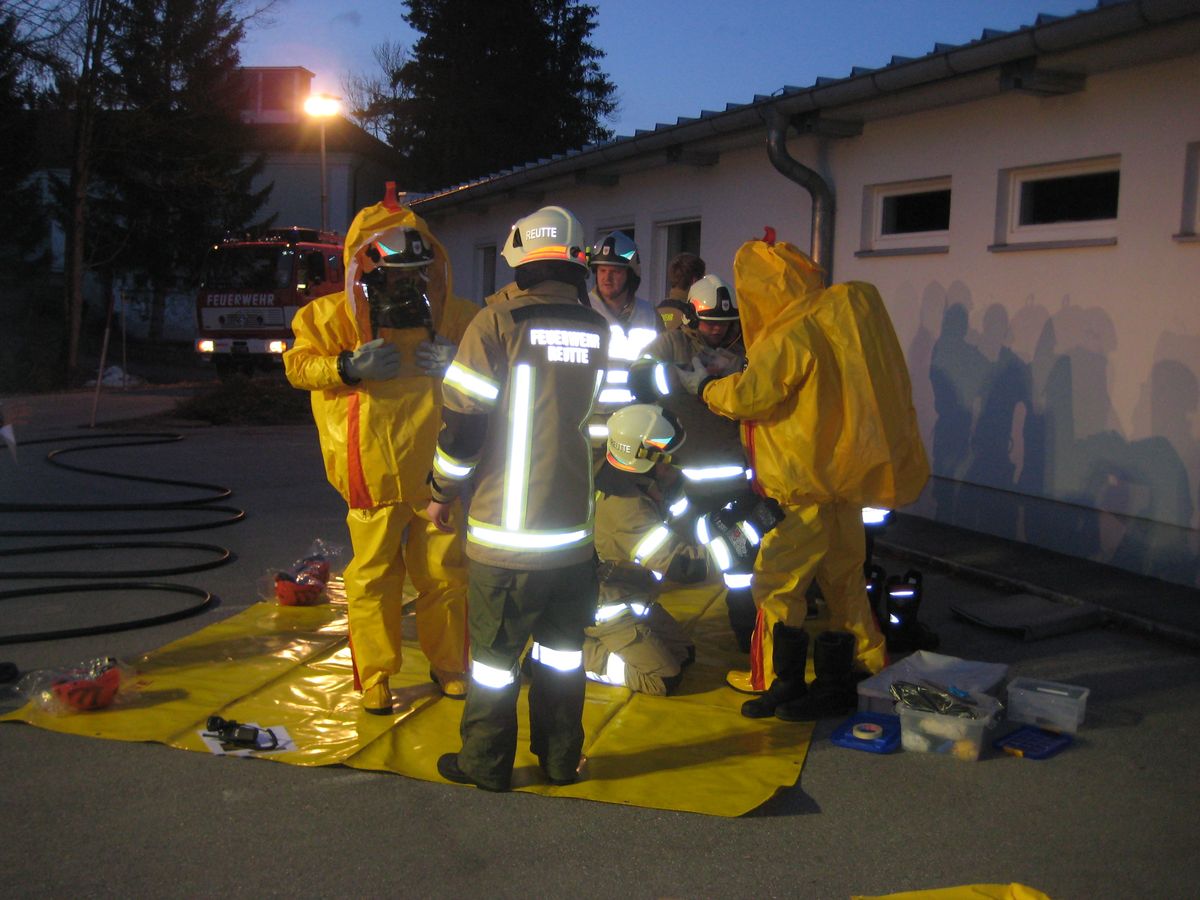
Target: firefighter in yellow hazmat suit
(827,421)
(372,356)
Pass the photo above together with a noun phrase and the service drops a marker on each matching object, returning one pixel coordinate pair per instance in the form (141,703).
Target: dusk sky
(671,58)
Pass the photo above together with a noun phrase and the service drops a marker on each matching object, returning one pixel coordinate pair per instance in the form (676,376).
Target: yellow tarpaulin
(288,668)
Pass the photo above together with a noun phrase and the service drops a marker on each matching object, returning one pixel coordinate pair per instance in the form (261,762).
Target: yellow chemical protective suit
(829,427)
(378,439)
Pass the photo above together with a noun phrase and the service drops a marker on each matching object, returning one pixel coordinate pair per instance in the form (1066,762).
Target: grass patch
(266,400)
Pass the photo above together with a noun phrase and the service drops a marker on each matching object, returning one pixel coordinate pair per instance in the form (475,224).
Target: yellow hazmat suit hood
(377,437)
(826,402)
(369,224)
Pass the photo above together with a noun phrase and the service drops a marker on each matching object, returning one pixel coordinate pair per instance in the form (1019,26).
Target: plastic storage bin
(930,732)
(1047,704)
(875,693)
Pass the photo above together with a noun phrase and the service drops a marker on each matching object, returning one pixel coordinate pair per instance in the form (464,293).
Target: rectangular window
(916,213)
(906,217)
(1067,204)
(1072,198)
(682,237)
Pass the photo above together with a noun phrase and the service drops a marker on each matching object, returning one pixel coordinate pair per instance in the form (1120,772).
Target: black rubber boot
(743,616)
(901,628)
(834,691)
(789,653)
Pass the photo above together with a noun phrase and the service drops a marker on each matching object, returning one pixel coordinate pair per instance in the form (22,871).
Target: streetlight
(321,107)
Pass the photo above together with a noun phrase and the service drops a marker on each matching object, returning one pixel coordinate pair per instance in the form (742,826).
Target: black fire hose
(205,503)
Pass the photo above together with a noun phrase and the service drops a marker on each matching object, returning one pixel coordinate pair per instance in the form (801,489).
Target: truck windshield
(248,268)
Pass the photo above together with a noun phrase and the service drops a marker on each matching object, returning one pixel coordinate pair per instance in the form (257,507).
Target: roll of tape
(867,731)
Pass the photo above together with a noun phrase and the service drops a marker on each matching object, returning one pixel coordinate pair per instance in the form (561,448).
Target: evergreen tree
(180,180)
(494,85)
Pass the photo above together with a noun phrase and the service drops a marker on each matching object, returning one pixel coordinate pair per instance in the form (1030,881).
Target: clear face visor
(397,297)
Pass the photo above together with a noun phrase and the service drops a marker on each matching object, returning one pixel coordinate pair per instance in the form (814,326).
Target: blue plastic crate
(843,735)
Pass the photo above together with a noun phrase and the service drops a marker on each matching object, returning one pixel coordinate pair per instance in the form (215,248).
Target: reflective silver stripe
(751,535)
(527,540)
(562,660)
(447,465)
(489,676)
(639,609)
(710,473)
(660,380)
(629,345)
(678,508)
(520,426)
(720,551)
(736,582)
(613,396)
(702,530)
(658,576)
(604,613)
(599,432)
(651,542)
(614,672)
(616,376)
(471,383)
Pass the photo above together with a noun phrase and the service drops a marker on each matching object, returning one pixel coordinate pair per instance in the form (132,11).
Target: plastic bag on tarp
(90,685)
(305,581)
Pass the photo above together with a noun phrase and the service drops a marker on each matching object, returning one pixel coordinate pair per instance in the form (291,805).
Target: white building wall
(1100,455)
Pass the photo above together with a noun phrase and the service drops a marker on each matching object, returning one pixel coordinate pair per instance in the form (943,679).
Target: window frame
(1012,235)
(875,243)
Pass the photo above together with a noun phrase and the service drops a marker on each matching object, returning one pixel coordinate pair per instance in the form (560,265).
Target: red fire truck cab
(250,289)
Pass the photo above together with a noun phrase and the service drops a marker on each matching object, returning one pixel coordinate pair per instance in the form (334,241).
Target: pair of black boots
(834,691)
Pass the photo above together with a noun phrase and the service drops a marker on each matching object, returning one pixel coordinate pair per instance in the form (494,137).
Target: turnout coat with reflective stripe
(533,363)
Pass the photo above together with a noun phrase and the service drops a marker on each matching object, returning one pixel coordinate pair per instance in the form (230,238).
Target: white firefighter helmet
(713,300)
(399,248)
(548,235)
(641,435)
(618,249)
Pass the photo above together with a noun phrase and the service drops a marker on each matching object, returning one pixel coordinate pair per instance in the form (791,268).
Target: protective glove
(690,380)
(435,356)
(375,360)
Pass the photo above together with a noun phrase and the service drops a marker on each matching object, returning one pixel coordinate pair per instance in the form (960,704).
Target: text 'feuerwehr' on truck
(251,288)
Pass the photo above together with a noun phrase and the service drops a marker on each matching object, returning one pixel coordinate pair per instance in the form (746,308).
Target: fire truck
(250,289)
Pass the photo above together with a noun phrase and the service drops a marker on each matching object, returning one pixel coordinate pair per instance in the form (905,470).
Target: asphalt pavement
(1113,815)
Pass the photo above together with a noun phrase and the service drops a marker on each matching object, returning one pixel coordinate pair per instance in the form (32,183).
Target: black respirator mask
(398,302)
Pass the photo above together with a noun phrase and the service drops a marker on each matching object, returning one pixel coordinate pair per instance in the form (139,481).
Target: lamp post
(321,107)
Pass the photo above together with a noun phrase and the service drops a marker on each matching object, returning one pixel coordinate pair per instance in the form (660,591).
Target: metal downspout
(821,237)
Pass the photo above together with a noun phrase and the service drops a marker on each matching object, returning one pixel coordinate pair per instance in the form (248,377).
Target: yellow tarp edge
(290,667)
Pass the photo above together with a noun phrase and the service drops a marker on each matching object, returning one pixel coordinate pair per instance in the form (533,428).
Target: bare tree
(372,100)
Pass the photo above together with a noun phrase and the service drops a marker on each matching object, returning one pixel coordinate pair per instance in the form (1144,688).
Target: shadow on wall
(1022,414)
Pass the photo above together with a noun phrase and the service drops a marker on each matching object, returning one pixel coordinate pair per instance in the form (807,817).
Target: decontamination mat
(288,669)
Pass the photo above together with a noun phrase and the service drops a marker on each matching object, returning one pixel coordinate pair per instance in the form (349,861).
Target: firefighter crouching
(712,462)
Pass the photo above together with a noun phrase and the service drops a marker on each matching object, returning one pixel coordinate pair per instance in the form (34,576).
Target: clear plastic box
(930,732)
(875,693)
(1047,704)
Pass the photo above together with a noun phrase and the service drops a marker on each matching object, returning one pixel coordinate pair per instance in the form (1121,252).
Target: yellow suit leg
(437,567)
(375,590)
(786,563)
(843,586)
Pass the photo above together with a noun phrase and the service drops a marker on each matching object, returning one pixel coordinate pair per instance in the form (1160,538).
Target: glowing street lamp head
(321,106)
